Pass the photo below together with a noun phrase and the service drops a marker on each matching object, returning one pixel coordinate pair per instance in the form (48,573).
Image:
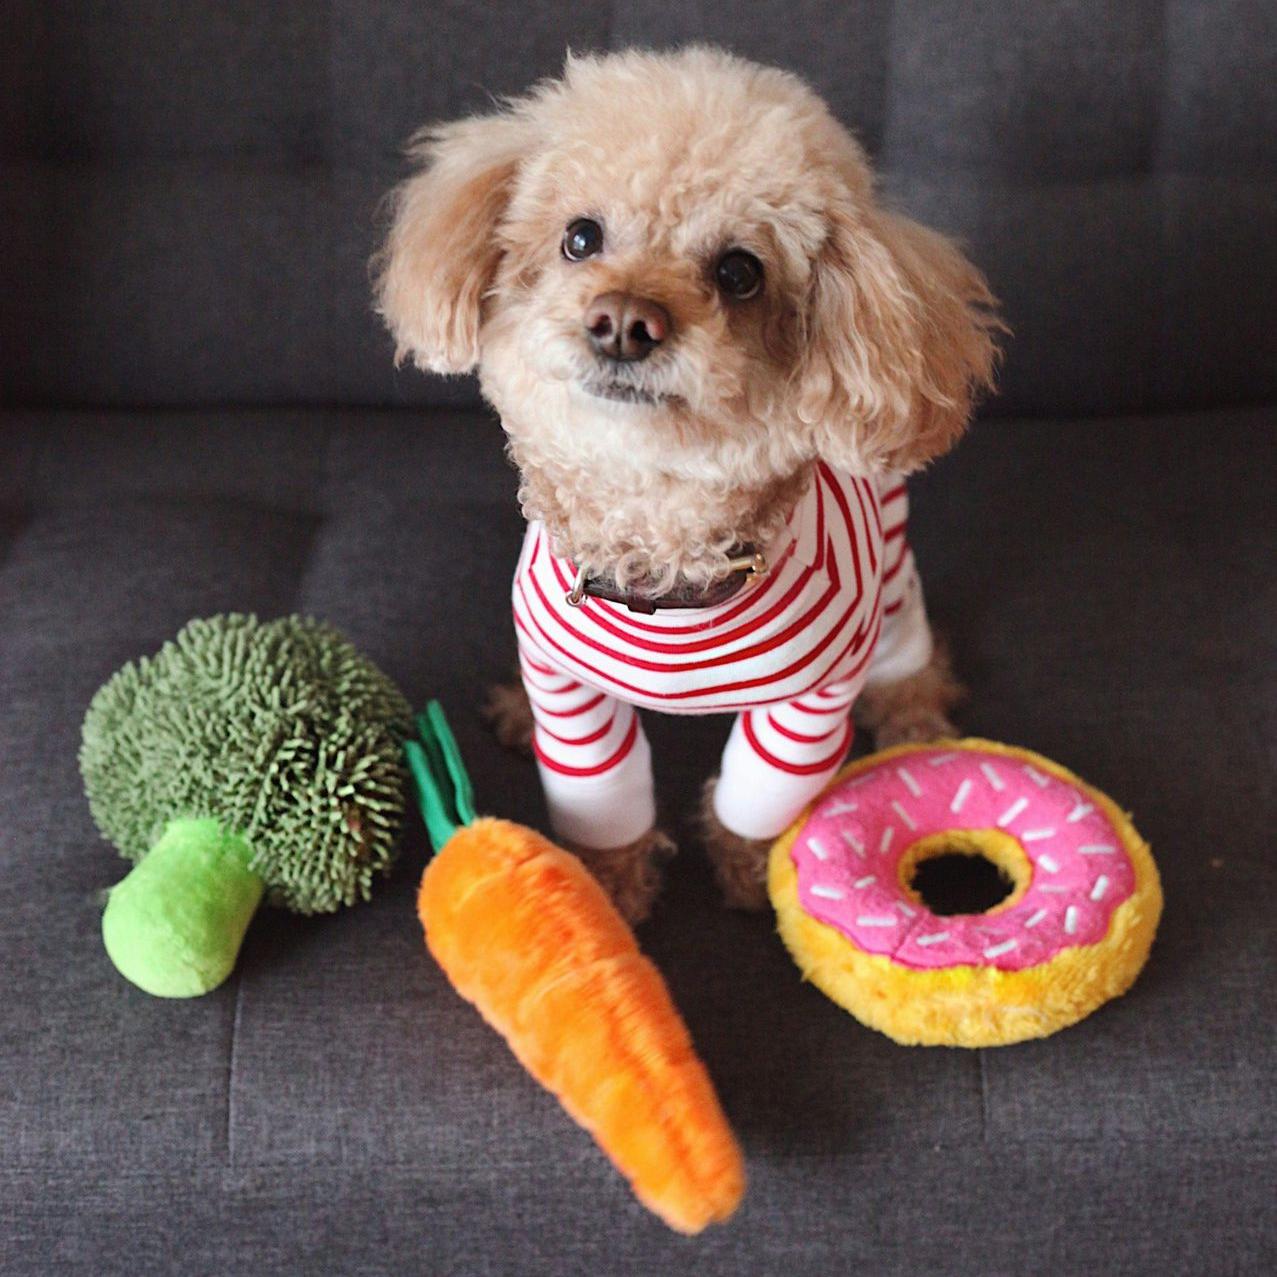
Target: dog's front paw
(631,875)
(740,864)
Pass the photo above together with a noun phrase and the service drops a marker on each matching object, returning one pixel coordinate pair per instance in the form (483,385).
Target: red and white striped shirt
(840,604)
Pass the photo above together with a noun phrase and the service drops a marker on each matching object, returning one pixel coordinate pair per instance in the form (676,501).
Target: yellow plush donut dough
(1074,932)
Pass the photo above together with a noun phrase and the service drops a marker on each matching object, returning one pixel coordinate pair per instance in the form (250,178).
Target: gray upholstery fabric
(189,192)
(201,415)
(1108,590)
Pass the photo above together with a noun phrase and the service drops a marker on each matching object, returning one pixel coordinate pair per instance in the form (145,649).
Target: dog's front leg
(596,771)
(777,759)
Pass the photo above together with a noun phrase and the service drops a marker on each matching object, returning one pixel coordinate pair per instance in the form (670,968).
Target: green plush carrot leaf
(246,759)
(444,791)
(434,724)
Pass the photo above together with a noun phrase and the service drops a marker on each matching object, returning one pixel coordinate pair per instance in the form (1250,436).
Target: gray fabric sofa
(201,414)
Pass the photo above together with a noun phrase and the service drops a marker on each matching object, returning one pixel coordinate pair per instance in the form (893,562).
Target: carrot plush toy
(523,931)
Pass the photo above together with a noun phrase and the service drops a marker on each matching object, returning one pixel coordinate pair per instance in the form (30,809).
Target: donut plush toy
(1074,931)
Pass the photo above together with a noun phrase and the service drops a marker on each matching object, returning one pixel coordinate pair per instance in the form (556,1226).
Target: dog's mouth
(623,392)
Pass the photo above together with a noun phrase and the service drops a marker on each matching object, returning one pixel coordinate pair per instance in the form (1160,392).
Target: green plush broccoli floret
(245,751)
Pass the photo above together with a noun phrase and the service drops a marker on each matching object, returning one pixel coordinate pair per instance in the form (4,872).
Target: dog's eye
(739,274)
(583,238)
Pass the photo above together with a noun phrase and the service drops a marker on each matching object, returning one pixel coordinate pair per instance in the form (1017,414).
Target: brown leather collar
(747,564)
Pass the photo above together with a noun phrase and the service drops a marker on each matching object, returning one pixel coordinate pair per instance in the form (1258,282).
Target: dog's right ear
(442,251)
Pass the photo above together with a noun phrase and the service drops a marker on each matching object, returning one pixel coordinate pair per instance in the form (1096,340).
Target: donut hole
(957,882)
(967,871)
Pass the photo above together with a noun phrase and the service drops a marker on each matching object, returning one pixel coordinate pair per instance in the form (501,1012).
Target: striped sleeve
(905,645)
(594,760)
(779,757)
(897,557)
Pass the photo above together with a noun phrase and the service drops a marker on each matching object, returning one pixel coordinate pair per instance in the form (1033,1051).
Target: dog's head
(675,264)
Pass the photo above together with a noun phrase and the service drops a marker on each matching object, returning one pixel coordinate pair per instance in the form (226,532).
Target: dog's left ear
(443,249)
(899,339)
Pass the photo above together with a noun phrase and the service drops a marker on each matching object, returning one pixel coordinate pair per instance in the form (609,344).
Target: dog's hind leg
(507,711)
(913,708)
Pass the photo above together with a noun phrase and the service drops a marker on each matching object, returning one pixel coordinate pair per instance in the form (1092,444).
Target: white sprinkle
(938,761)
(904,815)
(1037,917)
(1082,809)
(1012,812)
(1070,919)
(960,797)
(1101,886)
(887,835)
(905,909)
(1036,835)
(1036,776)
(997,950)
(865,881)
(1097,849)
(826,893)
(817,848)
(866,921)
(839,809)
(909,783)
(860,780)
(1049,863)
(853,842)
(934,938)
(992,777)
(1057,891)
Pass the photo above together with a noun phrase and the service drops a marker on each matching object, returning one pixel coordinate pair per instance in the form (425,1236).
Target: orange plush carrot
(524,932)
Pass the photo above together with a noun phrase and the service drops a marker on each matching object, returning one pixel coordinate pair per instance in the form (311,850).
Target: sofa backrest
(189,192)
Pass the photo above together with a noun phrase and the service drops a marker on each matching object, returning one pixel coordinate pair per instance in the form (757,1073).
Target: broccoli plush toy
(244,759)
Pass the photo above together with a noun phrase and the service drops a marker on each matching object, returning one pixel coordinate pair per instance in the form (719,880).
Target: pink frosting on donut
(848,853)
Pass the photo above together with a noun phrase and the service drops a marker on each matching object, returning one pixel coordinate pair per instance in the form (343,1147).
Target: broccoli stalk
(174,925)
(245,760)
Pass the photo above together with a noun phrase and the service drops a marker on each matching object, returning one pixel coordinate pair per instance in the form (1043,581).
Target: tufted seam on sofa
(230,1072)
(323,496)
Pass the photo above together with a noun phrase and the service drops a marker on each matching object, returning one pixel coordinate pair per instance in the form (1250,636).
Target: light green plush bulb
(174,925)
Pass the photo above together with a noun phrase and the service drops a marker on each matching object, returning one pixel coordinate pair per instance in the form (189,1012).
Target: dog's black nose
(624,327)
